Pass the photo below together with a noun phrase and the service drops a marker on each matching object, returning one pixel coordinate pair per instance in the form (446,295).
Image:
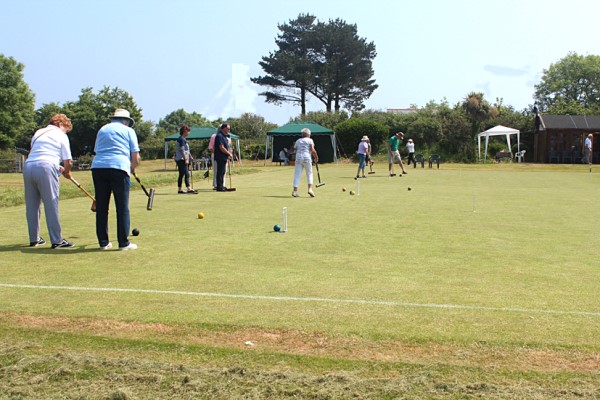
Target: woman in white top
(410,146)
(49,146)
(305,147)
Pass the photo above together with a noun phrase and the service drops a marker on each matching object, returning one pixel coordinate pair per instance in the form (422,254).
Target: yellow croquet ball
(343,189)
(200,215)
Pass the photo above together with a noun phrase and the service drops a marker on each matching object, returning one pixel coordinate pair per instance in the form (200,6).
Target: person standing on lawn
(184,159)
(41,173)
(393,153)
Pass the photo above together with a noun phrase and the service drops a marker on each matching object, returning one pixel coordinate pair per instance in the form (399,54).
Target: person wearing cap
(587,157)
(184,159)
(49,146)
(393,153)
(410,146)
(363,152)
(117,156)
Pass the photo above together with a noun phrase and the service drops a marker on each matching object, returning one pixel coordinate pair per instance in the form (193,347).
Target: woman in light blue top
(117,155)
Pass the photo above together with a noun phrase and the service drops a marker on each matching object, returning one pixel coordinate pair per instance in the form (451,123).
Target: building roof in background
(570,122)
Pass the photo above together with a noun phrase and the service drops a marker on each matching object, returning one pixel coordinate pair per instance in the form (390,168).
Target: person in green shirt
(394,154)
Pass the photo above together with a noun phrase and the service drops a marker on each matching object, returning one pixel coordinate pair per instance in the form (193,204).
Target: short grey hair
(305,132)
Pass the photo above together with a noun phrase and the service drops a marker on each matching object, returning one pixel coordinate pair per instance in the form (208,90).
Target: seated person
(283,156)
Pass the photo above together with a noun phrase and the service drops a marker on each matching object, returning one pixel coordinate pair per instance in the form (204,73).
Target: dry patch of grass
(476,355)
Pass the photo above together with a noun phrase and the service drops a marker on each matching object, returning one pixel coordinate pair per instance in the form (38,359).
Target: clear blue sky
(197,55)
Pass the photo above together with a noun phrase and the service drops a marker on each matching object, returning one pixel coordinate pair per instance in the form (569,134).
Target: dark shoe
(222,190)
(40,242)
(63,245)
(192,191)
(363,176)
(180,192)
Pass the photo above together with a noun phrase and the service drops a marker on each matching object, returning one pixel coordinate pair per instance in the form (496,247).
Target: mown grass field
(479,282)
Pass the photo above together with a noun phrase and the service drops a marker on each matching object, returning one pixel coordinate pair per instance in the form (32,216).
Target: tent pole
(266,151)
(166,151)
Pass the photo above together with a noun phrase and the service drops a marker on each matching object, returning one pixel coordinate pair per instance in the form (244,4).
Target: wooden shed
(560,138)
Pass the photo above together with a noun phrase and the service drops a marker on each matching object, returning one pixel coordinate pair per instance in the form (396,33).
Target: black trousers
(221,164)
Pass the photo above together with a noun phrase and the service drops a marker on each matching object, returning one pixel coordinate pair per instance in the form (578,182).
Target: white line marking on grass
(312,299)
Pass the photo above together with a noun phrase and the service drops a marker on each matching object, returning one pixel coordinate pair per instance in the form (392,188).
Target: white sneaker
(130,246)
(311,193)
(295,194)
(108,246)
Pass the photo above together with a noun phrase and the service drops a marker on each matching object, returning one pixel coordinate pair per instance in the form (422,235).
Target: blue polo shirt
(221,139)
(114,144)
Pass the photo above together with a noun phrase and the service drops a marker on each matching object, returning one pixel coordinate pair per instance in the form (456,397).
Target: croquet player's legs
(120,185)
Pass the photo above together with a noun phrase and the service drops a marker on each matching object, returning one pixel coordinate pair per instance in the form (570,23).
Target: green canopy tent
(286,136)
(202,133)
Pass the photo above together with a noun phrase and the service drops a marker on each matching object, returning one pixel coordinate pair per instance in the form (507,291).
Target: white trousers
(303,165)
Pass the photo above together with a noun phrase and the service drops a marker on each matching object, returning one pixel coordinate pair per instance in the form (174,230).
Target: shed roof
(571,122)
(199,132)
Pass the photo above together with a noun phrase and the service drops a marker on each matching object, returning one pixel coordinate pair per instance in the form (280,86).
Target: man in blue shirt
(117,155)
(222,154)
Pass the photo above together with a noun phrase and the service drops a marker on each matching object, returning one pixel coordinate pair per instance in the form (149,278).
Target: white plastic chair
(520,155)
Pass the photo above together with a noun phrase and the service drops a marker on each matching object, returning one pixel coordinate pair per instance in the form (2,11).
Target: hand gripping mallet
(93,208)
(149,194)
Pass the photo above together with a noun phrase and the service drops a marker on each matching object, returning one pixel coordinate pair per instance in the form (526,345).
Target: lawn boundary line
(309,299)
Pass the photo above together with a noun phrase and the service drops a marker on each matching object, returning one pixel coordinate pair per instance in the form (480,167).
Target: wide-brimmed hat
(123,114)
(364,138)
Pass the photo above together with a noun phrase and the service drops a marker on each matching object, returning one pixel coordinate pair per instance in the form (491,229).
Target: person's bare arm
(135,160)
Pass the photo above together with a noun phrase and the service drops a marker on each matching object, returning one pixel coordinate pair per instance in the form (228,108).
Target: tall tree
(91,111)
(343,62)
(477,110)
(571,84)
(16,103)
(327,60)
(289,69)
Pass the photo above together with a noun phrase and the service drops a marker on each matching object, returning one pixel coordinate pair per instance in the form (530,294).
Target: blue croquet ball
(277,228)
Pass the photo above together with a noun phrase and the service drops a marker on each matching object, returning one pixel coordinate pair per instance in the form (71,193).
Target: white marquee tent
(495,131)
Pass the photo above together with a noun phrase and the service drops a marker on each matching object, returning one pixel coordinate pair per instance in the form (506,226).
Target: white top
(50,144)
(363,147)
(282,155)
(410,147)
(588,143)
(302,147)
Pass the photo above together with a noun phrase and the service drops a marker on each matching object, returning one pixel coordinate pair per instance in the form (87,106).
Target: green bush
(350,132)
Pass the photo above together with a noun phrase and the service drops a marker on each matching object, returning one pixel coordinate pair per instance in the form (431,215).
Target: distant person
(117,156)
(587,146)
(283,156)
(184,160)
(49,146)
(410,146)
(369,157)
(393,153)
(362,152)
(222,155)
(304,149)
(211,147)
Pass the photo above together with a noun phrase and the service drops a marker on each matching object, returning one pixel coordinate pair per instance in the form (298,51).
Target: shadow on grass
(47,249)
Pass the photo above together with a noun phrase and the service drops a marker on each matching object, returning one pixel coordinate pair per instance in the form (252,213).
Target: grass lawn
(481,281)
